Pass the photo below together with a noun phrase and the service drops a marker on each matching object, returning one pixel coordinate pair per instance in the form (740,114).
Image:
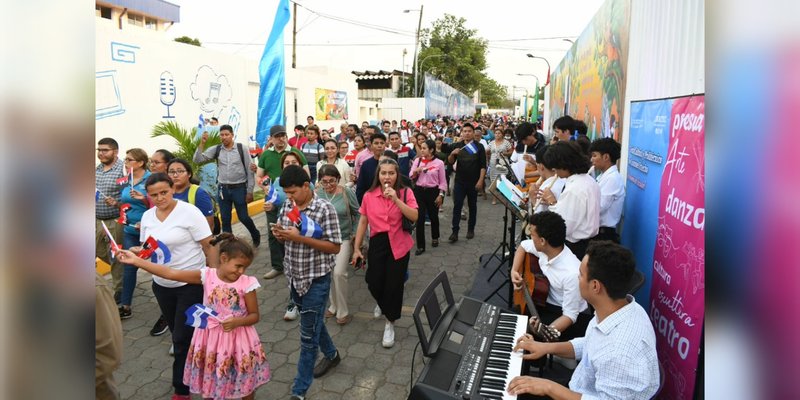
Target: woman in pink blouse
(428,174)
(384,205)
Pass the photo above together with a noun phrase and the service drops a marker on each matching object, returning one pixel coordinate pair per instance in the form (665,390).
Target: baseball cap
(277,130)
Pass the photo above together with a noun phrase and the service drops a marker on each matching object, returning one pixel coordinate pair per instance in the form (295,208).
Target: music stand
(504,191)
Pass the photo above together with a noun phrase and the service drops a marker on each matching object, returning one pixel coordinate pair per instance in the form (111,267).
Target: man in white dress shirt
(617,356)
(579,203)
(605,153)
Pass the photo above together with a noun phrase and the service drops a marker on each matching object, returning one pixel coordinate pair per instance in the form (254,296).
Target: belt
(107,219)
(232,185)
(607,229)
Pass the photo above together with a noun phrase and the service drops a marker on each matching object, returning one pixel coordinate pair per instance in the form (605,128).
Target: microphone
(167,91)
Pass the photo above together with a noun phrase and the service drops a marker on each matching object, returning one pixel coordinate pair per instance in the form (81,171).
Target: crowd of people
(354,199)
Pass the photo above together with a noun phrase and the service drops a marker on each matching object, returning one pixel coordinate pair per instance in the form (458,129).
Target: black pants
(550,313)
(173,303)
(385,276)
(607,233)
(578,248)
(460,191)
(426,203)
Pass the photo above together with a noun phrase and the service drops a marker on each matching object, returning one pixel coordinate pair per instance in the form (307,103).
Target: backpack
(193,198)
(241,155)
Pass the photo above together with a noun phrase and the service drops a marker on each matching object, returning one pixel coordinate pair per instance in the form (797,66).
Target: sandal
(329,314)
(344,321)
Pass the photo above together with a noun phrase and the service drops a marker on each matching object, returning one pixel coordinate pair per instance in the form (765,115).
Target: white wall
(409,108)
(667,55)
(139,57)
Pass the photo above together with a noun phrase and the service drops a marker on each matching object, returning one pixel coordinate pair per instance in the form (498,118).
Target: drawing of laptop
(108,102)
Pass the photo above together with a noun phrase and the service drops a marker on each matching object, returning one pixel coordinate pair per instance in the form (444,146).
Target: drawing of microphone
(167,91)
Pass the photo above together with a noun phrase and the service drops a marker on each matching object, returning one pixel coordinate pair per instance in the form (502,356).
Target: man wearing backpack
(234,177)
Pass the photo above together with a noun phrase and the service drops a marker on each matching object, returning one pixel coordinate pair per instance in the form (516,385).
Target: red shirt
(383,215)
(294,142)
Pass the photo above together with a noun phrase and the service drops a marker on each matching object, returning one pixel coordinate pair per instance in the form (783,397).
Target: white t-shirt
(181,232)
(612,196)
(579,205)
(562,272)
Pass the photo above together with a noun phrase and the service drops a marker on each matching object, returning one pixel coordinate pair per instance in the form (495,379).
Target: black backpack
(241,154)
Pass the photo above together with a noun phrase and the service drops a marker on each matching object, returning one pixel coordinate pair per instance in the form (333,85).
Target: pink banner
(677,292)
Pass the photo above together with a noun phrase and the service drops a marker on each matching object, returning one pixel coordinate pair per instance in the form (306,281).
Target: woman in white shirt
(332,158)
(579,202)
(548,179)
(182,240)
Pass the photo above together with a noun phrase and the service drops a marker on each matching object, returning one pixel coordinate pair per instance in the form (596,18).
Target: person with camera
(389,208)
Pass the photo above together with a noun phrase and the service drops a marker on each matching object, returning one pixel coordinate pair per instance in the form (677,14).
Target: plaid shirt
(302,263)
(106,182)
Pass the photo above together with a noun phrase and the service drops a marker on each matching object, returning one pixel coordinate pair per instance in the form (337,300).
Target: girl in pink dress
(225,359)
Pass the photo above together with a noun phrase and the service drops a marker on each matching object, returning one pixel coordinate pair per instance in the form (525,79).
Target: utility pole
(416,52)
(294,36)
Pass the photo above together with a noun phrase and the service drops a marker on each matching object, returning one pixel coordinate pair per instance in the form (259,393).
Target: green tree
(187,140)
(188,40)
(455,52)
(493,93)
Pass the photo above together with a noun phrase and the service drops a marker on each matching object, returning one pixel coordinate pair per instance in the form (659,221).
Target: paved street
(367,370)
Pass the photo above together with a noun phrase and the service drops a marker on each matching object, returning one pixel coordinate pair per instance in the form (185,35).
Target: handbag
(408,226)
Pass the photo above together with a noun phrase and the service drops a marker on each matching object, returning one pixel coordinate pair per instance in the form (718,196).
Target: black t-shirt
(531,149)
(469,165)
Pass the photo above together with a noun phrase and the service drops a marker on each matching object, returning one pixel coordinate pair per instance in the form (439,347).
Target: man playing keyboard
(618,353)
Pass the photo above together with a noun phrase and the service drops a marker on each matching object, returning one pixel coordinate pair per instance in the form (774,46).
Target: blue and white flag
(272,195)
(96,195)
(271,71)
(309,228)
(471,148)
(156,251)
(197,315)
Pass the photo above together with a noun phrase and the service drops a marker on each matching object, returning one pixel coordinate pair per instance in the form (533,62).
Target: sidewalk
(367,370)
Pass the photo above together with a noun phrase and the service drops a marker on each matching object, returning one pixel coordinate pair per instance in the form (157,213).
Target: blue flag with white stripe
(272,92)
(309,228)
(272,195)
(197,315)
(471,148)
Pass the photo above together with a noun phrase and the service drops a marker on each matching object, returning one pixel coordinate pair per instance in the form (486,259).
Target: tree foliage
(188,40)
(187,140)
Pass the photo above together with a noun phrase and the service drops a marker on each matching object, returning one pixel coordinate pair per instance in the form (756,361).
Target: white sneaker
(172,350)
(388,335)
(291,313)
(377,313)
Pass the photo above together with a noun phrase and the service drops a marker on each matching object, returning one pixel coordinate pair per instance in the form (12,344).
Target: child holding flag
(225,358)
(309,227)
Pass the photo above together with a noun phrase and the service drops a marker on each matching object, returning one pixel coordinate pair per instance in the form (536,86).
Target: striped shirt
(617,357)
(302,263)
(106,182)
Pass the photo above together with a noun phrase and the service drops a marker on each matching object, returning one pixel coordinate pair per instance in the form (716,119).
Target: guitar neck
(528,300)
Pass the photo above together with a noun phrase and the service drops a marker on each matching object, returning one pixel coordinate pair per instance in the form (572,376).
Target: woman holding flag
(177,235)
(132,203)
(428,175)
(383,208)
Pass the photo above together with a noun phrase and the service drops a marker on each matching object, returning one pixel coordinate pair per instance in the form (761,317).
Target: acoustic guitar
(543,332)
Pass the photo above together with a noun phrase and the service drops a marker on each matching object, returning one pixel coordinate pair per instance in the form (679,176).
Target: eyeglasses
(327,182)
(176,172)
(130,159)
(156,162)
(99,150)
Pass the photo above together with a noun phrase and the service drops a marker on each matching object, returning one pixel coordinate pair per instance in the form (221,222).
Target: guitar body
(532,277)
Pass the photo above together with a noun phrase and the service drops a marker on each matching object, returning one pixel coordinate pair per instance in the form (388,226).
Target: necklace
(330,198)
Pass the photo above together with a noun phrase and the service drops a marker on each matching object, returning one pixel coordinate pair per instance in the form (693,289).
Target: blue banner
(272,93)
(649,139)
(442,100)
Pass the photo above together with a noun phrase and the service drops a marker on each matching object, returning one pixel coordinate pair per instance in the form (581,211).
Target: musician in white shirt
(560,266)
(605,152)
(579,203)
(617,355)
(551,180)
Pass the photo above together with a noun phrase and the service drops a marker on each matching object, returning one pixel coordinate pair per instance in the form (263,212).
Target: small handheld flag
(201,126)
(309,228)
(155,250)
(272,195)
(97,194)
(127,179)
(123,214)
(197,315)
(471,148)
(114,246)
(294,214)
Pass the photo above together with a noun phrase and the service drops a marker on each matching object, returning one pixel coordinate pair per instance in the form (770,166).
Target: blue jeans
(236,197)
(129,272)
(461,190)
(313,333)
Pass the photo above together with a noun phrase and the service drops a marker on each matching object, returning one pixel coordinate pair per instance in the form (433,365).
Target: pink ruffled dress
(225,365)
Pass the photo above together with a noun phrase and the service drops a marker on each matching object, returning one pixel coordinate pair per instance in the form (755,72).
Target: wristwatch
(441,193)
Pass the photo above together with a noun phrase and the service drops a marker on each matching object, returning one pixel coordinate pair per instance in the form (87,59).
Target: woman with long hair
(332,158)
(430,184)
(346,205)
(383,208)
(499,147)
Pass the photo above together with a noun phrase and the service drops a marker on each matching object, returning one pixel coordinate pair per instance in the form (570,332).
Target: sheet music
(509,191)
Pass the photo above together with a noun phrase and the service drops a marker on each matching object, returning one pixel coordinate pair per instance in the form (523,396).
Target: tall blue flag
(272,93)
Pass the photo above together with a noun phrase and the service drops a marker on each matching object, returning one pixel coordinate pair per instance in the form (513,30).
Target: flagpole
(114,244)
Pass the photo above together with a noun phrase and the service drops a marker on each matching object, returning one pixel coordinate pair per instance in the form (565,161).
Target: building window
(151,23)
(134,19)
(102,12)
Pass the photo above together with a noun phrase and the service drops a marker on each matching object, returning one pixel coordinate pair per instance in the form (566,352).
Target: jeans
(276,248)
(129,273)
(173,303)
(461,190)
(236,197)
(426,202)
(313,333)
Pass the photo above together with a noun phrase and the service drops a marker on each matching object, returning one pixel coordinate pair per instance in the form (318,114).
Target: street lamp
(568,40)
(421,64)
(416,45)
(548,66)
(403,79)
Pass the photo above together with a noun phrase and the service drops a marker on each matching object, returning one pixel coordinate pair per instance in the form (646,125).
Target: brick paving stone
(367,370)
